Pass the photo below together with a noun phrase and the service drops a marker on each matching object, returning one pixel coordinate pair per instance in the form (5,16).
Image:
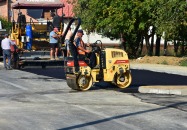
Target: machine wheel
(85,82)
(81,83)
(124,80)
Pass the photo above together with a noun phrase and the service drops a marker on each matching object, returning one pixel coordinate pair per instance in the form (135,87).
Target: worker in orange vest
(82,51)
(80,44)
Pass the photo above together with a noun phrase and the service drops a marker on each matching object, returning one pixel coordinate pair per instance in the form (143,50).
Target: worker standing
(6,47)
(53,36)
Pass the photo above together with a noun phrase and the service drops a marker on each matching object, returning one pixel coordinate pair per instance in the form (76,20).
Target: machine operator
(82,51)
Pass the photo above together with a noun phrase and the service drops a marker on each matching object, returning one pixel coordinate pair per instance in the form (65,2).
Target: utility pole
(8,10)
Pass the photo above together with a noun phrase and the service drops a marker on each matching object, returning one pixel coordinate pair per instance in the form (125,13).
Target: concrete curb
(179,70)
(176,90)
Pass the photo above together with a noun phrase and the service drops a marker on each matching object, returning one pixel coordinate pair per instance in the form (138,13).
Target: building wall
(4,9)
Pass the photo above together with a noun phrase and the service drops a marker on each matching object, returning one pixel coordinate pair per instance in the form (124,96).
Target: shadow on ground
(146,77)
(57,73)
(139,78)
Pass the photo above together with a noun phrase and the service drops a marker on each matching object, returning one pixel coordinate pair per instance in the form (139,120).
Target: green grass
(183,62)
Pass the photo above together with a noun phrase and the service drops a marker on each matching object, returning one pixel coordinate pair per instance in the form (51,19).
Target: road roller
(112,65)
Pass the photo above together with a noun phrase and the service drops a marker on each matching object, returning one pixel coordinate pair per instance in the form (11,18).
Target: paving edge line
(176,90)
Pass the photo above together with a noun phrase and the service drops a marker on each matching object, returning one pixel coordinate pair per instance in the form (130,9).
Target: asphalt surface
(39,99)
(167,79)
(35,98)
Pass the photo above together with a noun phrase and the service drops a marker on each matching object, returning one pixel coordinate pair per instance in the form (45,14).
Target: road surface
(39,99)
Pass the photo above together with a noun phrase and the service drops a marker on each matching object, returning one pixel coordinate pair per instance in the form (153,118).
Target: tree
(115,19)
(6,25)
(170,16)
(130,20)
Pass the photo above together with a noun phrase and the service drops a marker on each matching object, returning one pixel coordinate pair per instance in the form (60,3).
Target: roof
(37,4)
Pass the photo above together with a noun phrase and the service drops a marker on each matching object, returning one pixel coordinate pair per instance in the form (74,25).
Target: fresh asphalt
(147,78)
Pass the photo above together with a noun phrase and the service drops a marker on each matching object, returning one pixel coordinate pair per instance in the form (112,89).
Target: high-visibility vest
(81,52)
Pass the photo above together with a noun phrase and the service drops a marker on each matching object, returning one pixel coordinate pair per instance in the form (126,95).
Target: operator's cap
(80,31)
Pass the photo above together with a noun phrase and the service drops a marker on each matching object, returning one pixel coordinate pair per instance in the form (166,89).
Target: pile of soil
(165,60)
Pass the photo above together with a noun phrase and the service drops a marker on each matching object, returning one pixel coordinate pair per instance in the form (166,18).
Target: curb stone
(176,90)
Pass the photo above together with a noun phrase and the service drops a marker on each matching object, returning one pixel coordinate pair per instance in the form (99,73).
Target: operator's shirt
(6,43)
(79,43)
(52,40)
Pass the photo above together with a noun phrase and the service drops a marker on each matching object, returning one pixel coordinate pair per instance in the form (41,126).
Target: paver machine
(112,65)
(32,37)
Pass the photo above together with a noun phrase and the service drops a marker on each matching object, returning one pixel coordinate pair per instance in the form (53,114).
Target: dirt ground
(165,60)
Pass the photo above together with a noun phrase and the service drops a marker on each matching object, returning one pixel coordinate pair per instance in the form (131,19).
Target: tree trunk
(152,42)
(141,46)
(165,47)
(182,48)
(151,47)
(147,43)
(175,47)
(157,49)
(138,44)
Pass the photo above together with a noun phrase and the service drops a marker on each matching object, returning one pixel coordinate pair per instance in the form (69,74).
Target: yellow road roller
(112,65)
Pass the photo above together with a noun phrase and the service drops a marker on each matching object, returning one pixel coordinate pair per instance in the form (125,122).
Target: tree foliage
(130,20)
(5,24)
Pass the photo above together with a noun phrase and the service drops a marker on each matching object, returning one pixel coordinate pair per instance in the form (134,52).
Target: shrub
(5,24)
(183,62)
